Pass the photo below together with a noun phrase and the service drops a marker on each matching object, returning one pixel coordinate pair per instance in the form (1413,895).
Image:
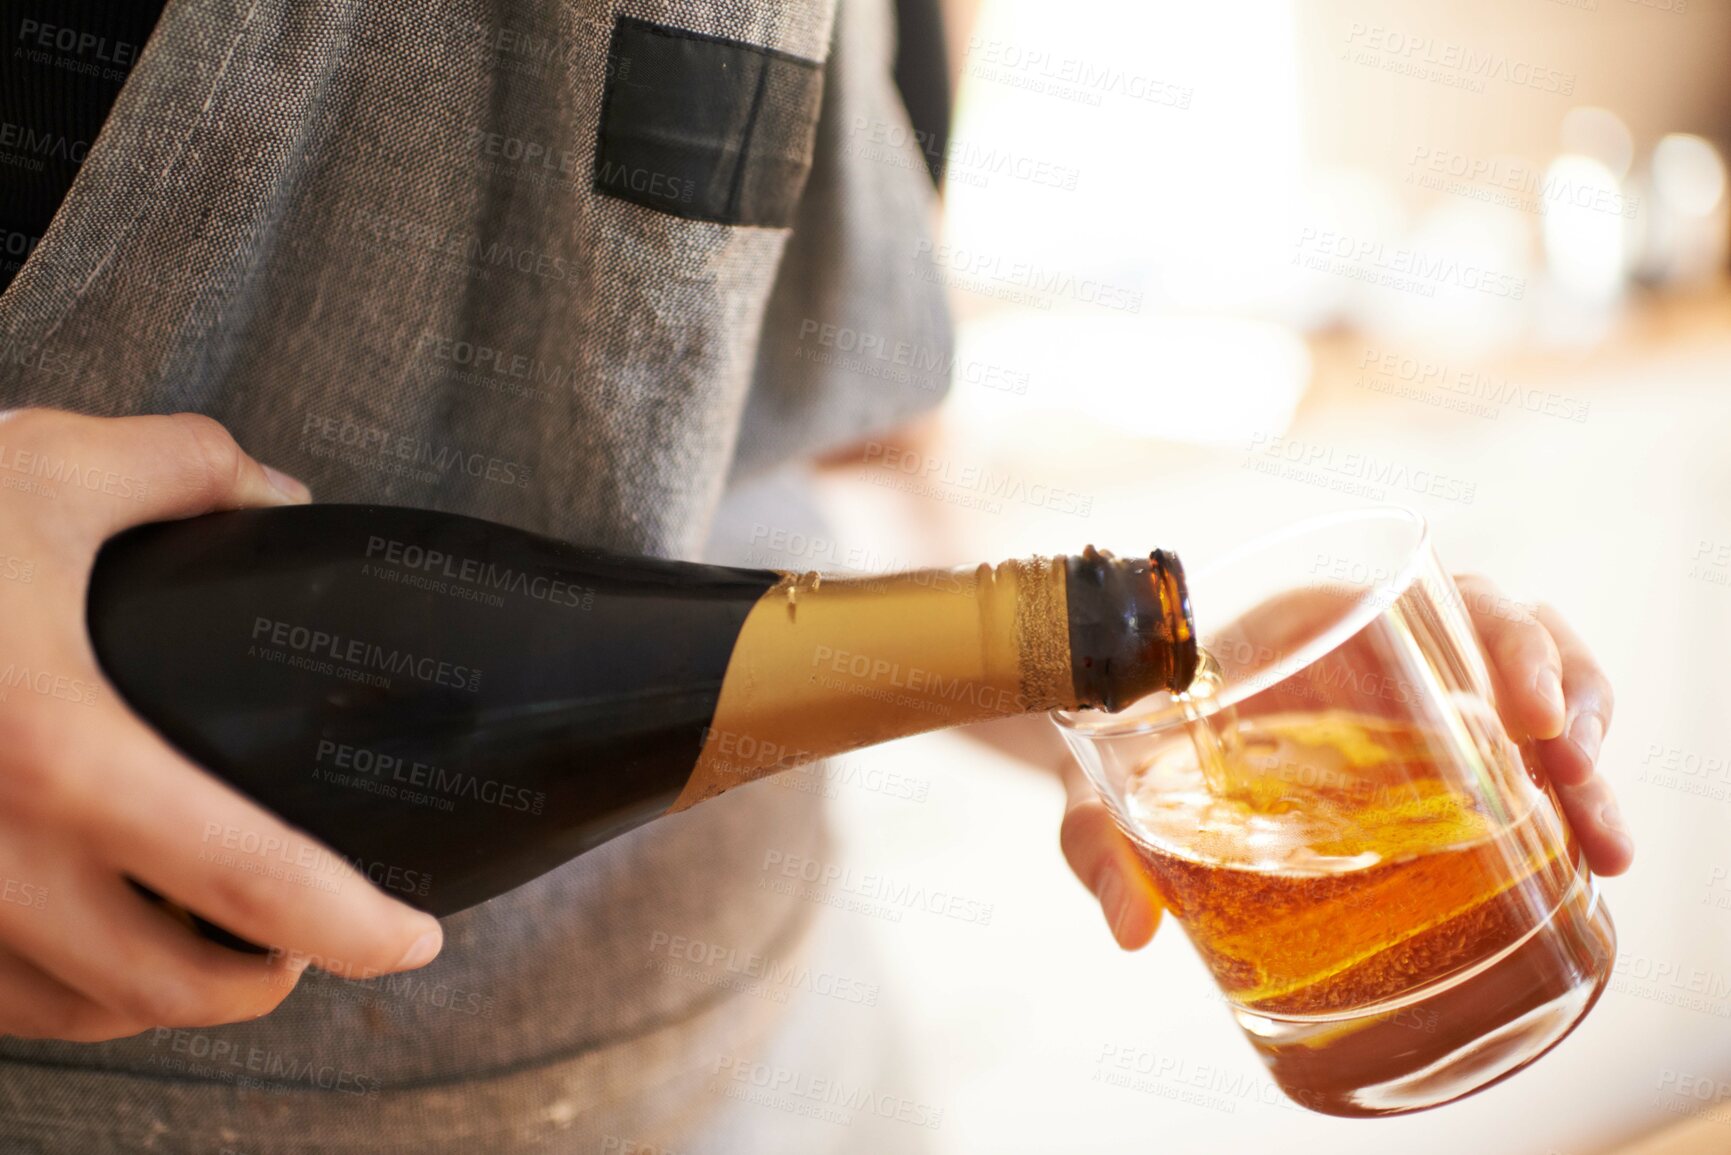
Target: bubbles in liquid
(1307,793)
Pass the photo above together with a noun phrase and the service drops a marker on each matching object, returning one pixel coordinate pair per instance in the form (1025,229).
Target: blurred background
(1218,267)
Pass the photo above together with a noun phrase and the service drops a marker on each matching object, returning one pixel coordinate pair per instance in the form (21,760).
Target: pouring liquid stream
(1216,739)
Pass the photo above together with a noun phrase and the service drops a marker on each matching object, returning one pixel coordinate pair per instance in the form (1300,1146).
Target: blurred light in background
(1208,380)
(1183,124)
(1172,93)
(1601,135)
(1584,242)
(1688,175)
(1686,228)
(1241,200)
(1471,288)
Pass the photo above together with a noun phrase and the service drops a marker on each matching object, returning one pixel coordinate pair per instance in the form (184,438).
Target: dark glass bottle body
(455,707)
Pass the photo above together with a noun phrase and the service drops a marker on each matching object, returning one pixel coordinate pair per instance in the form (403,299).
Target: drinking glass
(1364,851)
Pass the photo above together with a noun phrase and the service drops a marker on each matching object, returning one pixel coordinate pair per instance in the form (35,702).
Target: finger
(34,1005)
(1569,759)
(198,843)
(109,945)
(1104,861)
(1592,813)
(198,467)
(1523,653)
(153,468)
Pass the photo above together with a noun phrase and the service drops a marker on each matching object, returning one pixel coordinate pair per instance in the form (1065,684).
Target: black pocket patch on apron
(705,128)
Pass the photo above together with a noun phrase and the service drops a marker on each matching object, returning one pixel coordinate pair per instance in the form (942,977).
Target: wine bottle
(455,706)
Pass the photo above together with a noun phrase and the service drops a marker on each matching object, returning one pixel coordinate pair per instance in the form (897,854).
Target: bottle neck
(824,665)
(1130,629)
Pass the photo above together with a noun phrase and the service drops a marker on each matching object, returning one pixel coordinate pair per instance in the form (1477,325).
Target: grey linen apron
(483,256)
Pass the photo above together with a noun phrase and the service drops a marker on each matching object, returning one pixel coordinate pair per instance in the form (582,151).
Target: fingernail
(422,953)
(289,487)
(1587,733)
(1115,901)
(1550,688)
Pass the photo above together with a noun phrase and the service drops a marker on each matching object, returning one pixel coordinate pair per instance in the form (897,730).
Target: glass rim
(1100,724)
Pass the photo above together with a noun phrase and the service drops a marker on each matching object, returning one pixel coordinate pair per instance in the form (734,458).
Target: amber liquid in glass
(1383,932)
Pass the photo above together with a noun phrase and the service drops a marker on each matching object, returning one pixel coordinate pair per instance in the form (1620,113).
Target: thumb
(178,466)
(1106,863)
